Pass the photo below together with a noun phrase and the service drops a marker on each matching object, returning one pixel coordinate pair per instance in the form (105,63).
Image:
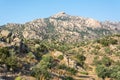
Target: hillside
(61,47)
(34,59)
(63,28)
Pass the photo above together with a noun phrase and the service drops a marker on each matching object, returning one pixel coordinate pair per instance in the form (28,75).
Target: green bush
(4,53)
(68,78)
(71,70)
(80,59)
(107,41)
(60,57)
(106,61)
(31,55)
(86,73)
(110,72)
(62,66)
(115,72)
(107,50)
(95,52)
(102,71)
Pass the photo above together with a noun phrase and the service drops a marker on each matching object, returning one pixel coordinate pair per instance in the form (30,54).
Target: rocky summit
(62,27)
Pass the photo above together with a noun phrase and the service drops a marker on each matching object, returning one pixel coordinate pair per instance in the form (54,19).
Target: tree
(11,63)
(115,72)
(81,58)
(106,61)
(42,67)
(4,53)
(68,78)
(102,71)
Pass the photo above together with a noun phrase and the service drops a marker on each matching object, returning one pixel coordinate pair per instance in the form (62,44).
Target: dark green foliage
(108,51)
(111,72)
(60,57)
(46,61)
(68,78)
(64,67)
(43,48)
(11,62)
(105,61)
(86,73)
(95,52)
(118,35)
(106,69)
(71,70)
(102,71)
(4,53)
(115,72)
(107,41)
(64,47)
(80,59)
(37,72)
(42,67)
(8,59)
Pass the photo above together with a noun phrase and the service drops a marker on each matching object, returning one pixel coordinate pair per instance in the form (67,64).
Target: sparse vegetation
(39,58)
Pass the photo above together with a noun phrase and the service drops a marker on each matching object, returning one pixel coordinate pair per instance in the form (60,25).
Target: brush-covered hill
(61,47)
(34,59)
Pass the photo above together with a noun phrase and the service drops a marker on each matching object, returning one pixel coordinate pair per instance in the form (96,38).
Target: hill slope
(64,27)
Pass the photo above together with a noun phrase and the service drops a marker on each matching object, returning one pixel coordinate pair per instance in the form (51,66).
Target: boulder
(5,33)
(57,53)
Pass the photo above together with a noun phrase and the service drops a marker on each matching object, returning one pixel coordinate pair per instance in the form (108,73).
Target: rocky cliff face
(63,27)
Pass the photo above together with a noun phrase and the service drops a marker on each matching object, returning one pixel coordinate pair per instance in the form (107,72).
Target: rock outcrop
(6,33)
(62,27)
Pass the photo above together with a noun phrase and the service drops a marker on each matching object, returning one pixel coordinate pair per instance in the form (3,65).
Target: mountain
(61,47)
(63,27)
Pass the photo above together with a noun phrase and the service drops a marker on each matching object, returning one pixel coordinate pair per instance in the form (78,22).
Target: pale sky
(21,11)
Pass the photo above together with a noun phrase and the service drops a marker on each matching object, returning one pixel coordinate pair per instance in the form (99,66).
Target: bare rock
(6,33)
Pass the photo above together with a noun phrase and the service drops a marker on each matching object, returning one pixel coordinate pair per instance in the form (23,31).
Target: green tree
(106,61)
(102,71)
(115,72)
(4,53)
(80,59)
(68,78)
(42,67)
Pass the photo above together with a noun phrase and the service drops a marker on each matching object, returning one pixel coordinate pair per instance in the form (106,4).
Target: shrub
(80,59)
(106,61)
(102,71)
(71,70)
(42,67)
(107,41)
(107,50)
(115,72)
(68,78)
(95,52)
(31,55)
(60,57)
(62,66)
(86,73)
(18,78)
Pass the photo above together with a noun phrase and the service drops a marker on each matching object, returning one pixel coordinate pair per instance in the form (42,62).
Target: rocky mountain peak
(92,23)
(60,14)
(63,27)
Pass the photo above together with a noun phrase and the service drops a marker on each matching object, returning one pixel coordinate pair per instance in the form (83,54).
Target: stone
(6,33)
(57,53)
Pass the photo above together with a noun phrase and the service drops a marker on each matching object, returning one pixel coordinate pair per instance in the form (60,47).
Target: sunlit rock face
(62,27)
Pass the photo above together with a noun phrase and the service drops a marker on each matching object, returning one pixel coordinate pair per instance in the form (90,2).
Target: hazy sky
(20,11)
